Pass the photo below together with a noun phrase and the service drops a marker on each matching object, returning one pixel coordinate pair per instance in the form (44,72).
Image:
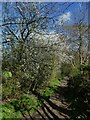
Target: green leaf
(7,74)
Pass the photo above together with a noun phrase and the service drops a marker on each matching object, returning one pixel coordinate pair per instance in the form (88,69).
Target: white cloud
(65,18)
(80,5)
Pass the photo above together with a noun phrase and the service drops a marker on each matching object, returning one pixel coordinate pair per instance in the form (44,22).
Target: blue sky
(69,15)
(74,12)
(74,8)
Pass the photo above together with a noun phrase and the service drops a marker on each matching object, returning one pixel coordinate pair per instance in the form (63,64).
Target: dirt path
(56,106)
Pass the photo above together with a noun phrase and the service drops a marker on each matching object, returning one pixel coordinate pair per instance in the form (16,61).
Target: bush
(9,112)
(79,95)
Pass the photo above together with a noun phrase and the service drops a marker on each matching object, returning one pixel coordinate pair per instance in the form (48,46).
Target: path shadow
(77,99)
(68,102)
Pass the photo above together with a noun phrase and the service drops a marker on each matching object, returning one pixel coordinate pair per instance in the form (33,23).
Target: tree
(29,51)
(77,33)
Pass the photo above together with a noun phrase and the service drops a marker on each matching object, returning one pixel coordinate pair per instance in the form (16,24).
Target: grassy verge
(12,109)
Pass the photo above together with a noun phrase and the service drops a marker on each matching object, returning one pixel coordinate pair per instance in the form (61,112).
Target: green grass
(8,111)
(54,83)
(51,88)
(12,109)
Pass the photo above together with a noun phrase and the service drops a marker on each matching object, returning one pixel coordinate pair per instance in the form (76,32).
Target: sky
(44,0)
(67,15)
(69,12)
(64,13)
(74,10)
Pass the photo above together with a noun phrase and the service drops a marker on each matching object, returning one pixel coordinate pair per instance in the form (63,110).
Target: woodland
(45,61)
